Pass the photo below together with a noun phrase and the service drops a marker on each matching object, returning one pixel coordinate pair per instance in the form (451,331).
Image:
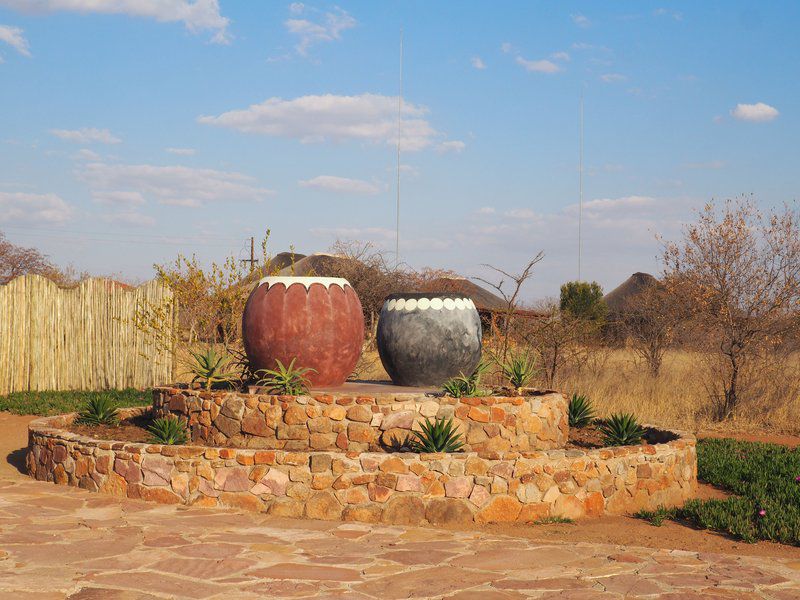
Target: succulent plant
(621,429)
(580,411)
(463,385)
(437,436)
(285,380)
(99,411)
(209,368)
(519,369)
(168,430)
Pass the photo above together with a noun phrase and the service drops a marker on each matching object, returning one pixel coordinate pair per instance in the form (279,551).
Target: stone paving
(59,542)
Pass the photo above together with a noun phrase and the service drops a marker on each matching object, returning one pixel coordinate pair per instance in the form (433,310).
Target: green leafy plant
(99,411)
(437,436)
(519,369)
(621,429)
(285,380)
(466,386)
(210,368)
(168,430)
(658,516)
(580,411)
(553,520)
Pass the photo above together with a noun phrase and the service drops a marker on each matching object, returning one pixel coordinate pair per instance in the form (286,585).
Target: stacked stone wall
(364,423)
(401,488)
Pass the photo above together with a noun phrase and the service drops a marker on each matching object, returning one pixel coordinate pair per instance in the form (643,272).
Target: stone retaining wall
(364,423)
(401,488)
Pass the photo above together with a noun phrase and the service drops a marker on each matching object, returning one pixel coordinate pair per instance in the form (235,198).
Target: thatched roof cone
(630,288)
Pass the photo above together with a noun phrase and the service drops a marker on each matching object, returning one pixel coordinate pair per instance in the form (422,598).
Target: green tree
(584,300)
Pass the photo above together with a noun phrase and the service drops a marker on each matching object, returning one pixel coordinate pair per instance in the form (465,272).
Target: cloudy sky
(131,131)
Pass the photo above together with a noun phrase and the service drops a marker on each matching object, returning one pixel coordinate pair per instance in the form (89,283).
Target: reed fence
(80,338)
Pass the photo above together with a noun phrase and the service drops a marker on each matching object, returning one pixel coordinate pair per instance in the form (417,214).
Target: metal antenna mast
(399,132)
(580,193)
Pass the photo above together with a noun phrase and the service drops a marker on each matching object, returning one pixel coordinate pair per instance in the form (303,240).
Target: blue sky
(131,131)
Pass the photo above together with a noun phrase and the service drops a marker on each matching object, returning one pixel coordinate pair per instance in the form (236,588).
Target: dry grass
(680,396)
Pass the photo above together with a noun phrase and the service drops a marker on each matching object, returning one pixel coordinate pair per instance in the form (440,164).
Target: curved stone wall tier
(424,339)
(400,488)
(364,423)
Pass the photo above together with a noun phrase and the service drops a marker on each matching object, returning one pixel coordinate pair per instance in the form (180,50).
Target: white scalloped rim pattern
(410,304)
(305,281)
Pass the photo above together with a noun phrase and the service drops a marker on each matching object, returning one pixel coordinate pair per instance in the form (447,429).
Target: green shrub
(59,402)
(584,300)
(211,368)
(658,516)
(580,411)
(439,436)
(168,430)
(465,386)
(519,369)
(100,410)
(285,380)
(621,429)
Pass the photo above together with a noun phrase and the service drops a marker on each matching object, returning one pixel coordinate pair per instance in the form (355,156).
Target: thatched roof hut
(634,285)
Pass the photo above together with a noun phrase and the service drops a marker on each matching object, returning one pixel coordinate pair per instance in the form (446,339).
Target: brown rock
(403,419)
(320,463)
(129,470)
(394,465)
(255,424)
(323,505)
(295,415)
(404,510)
(286,507)
(359,413)
(369,513)
(458,487)
(448,511)
(243,501)
(319,425)
(500,509)
(569,507)
(361,432)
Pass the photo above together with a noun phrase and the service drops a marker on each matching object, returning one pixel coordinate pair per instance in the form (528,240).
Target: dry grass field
(679,397)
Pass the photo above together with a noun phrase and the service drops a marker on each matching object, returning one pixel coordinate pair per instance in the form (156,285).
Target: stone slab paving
(59,542)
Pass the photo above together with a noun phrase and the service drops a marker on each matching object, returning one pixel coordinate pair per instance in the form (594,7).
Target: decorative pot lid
(304,281)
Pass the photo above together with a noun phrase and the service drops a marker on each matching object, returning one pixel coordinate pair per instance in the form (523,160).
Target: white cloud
(538,66)
(711,164)
(86,154)
(86,135)
(758,112)
(33,208)
(626,202)
(181,151)
(341,185)
(613,78)
(197,15)
(563,56)
(329,29)
(478,63)
(581,20)
(486,210)
(130,218)
(456,146)
(664,12)
(368,118)
(355,233)
(174,185)
(14,37)
(118,198)
(521,213)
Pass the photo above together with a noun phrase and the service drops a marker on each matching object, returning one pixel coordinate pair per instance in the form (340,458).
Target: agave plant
(580,411)
(99,411)
(439,436)
(285,380)
(168,430)
(621,429)
(463,385)
(519,369)
(209,368)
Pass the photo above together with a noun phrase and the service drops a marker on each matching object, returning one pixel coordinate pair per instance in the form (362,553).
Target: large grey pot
(424,339)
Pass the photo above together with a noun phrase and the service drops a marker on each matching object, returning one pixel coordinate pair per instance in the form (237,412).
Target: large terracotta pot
(424,339)
(317,320)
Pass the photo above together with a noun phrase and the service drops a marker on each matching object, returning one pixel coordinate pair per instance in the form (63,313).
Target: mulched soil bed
(585,438)
(128,430)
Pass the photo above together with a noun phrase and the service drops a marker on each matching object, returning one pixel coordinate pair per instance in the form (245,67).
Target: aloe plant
(519,369)
(99,411)
(168,430)
(463,385)
(210,368)
(437,436)
(621,429)
(580,411)
(285,380)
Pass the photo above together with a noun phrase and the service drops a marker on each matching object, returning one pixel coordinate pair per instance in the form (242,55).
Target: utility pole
(252,260)
(399,131)
(580,192)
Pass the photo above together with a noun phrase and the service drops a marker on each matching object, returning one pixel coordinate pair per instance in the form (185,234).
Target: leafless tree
(650,321)
(18,260)
(737,270)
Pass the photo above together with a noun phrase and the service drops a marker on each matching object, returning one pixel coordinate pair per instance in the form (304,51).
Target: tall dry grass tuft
(682,395)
